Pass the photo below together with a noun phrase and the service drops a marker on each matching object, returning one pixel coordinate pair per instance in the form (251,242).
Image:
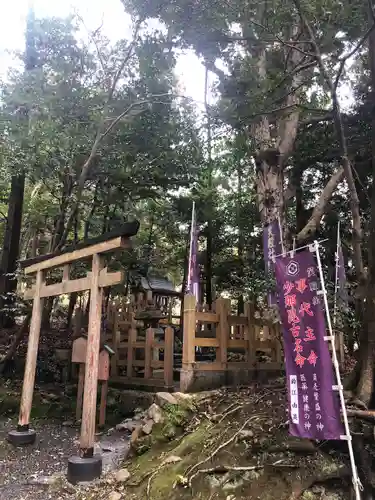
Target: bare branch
(351,53)
(317,119)
(321,206)
(337,118)
(126,59)
(217,71)
(283,42)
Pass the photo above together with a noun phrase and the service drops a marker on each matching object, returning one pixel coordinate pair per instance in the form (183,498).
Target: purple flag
(313,404)
(192,285)
(271,247)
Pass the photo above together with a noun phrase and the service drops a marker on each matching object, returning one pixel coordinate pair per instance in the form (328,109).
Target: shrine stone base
(84,469)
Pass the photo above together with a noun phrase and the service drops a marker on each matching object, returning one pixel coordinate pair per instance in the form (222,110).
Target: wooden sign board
(104,363)
(79,350)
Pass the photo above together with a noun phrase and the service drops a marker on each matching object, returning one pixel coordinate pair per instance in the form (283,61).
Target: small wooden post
(81,383)
(103,376)
(188,350)
(132,337)
(103,403)
(250,334)
(115,338)
(188,347)
(92,361)
(150,337)
(168,356)
(31,358)
(223,330)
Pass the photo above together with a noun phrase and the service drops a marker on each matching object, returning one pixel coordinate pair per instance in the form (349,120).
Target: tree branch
(337,118)
(351,53)
(321,206)
(217,71)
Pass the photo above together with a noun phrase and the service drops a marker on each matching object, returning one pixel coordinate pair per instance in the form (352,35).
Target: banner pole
(188,284)
(281,234)
(356,481)
(336,275)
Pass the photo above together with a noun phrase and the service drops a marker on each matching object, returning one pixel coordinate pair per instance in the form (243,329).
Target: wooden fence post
(115,337)
(132,337)
(80,387)
(92,362)
(150,337)
(168,356)
(31,358)
(188,351)
(188,348)
(223,331)
(250,334)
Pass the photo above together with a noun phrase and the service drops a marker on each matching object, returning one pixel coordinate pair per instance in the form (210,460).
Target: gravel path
(19,467)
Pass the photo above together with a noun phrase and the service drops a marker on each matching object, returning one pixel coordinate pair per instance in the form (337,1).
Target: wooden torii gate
(85,466)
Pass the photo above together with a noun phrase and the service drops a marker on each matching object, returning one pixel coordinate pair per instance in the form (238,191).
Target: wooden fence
(245,346)
(238,341)
(142,357)
(218,347)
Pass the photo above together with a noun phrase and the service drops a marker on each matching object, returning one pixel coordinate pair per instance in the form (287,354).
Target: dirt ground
(21,467)
(231,444)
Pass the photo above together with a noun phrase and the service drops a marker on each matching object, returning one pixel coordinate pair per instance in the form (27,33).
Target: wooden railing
(141,357)
(228,334)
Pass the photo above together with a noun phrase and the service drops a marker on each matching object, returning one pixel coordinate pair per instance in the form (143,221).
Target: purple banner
(271,248)
(313,404)
(192,285)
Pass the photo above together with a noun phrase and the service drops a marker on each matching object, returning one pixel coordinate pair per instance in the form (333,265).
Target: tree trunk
(367,341)
(240,243)
(270,186)
(209,247)
(10,253)
(12,236)
(72,303)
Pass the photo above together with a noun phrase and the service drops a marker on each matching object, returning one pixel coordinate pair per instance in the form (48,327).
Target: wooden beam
(78,285)
(238,320)
(32,354)
(126,230)
(83,253)
(168,356)
(206,317)
(87,438)
(151,382)
(188,351)
(206,342)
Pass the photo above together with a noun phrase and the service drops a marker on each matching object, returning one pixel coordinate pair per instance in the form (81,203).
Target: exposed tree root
(299,488)
(302,446)
(362,414)
(223,445)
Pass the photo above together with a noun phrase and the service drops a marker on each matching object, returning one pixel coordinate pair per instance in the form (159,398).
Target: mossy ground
(192,434)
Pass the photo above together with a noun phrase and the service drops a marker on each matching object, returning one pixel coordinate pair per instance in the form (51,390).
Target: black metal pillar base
(84,469)
(23,436)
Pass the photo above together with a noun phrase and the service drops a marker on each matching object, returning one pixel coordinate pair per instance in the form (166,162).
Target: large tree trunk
(270,186)
(367,341)
(241,242)
(11,246)
(10,253)
(209,203)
